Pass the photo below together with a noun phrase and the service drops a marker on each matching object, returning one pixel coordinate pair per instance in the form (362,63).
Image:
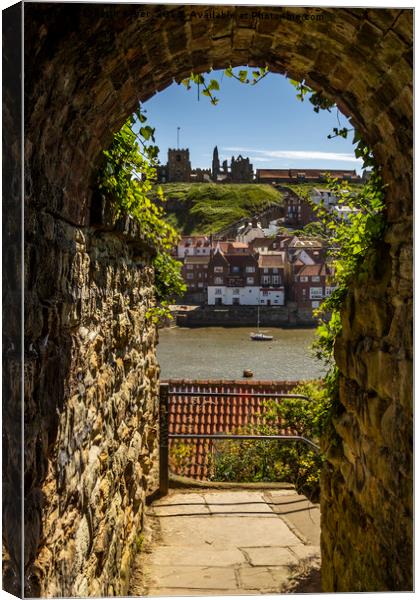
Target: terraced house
(233,278)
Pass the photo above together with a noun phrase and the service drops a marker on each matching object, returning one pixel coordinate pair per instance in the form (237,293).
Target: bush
(273,460)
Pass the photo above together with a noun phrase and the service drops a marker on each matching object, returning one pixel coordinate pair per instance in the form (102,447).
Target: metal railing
(165,436)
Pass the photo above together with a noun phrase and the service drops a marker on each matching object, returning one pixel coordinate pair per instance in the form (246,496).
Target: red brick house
(312,283)
(195,273)
(298,210)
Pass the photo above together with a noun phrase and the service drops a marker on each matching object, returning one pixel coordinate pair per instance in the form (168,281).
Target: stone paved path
(213,542)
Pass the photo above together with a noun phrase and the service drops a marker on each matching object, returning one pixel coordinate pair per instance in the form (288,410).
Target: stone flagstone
(222,543)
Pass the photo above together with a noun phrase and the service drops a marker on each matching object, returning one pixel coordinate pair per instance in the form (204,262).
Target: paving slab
(181,505)
(269,556)
(302,516)
(262,578)
(225,531)
(237,503)
(159,591)
(221,543)
(195,578)
(197,555)
(303,552)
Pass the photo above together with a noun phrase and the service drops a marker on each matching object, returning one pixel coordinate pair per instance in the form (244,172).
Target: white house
(195,245)
(231,296)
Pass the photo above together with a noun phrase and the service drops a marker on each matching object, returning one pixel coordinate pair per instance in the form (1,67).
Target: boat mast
(258,317)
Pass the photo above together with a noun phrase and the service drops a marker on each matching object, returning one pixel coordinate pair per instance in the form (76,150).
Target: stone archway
(86,68)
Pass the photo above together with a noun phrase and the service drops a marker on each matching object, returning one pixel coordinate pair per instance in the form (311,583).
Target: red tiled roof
(311,270)
(271,260)
(284,173)
(238,244)
(214,414)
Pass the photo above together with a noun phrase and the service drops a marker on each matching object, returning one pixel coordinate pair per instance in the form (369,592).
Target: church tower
(215,166)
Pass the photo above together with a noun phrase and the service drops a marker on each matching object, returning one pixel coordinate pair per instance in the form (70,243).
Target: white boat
(259,336)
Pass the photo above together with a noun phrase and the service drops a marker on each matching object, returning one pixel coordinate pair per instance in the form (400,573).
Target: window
(265,270)
(266,279)
(235,269)
(265,293)
(190,275)
(315,304)
(275,279)
(218,269)
(235,301)
(200,284)
(304,292)
(189,267)
(250,280)
(275,270)
(315,278)
(235,291)
(218,280)
(200,275)
(315,293)
(218,292)
(329,290)
(250,270)
(303,278)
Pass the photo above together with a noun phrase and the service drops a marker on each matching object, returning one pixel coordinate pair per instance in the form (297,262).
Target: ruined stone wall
(91,406)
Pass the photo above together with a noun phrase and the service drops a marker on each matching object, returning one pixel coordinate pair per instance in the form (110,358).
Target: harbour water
(224,353)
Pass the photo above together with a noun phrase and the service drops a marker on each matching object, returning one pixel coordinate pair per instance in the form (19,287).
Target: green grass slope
(203,208)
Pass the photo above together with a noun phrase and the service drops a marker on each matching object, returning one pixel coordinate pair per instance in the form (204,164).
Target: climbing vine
(128,178)
(351,240)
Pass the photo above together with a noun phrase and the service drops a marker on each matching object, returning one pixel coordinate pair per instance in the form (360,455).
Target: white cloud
(297,154)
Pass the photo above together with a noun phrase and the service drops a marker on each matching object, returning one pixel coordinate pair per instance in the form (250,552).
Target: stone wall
(12,404)
(367,490)
(240,316)
(91,406)
(86,68)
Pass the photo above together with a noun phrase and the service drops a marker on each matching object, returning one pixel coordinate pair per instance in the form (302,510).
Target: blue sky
(264,122)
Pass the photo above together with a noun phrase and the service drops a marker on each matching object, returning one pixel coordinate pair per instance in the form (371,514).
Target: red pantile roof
(311,270)
(214,414)
(271,260)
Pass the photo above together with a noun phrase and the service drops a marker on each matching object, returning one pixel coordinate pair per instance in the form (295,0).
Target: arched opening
(86,69)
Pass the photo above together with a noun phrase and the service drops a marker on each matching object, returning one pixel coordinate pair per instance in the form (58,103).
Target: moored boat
(261,337)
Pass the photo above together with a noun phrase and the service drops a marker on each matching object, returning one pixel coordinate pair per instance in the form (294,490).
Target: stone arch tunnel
(89,356)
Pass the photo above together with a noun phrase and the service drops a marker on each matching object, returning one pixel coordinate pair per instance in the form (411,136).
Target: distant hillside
(202,208)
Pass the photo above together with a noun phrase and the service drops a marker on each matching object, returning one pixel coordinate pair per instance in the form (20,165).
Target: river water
(223,353)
